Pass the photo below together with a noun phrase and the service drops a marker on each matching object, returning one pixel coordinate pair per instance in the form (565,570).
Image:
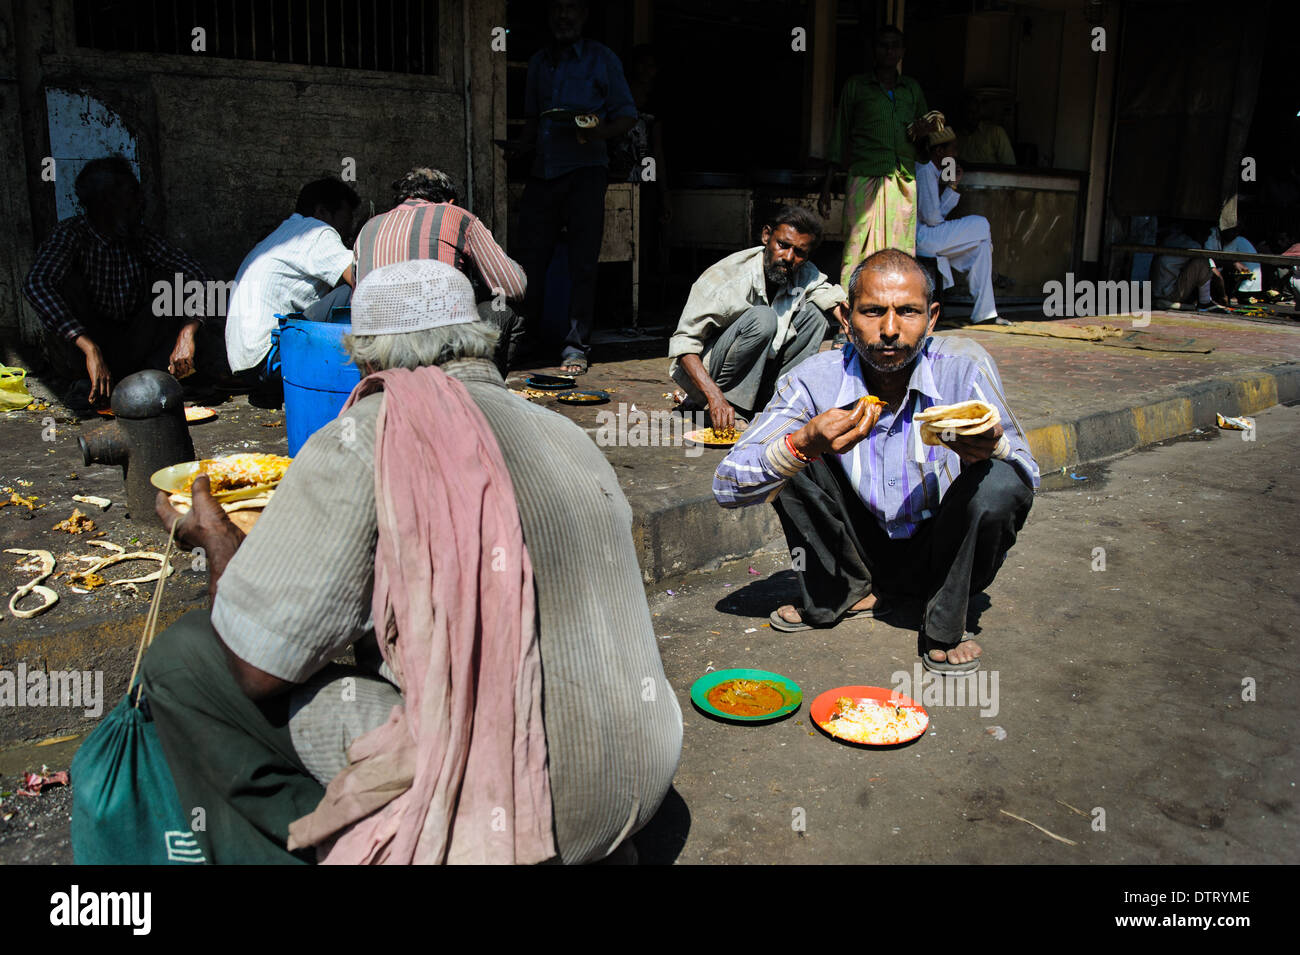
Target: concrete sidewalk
(1078,401)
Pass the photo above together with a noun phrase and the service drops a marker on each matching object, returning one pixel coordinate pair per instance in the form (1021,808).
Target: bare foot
(789,614)
(866,603)
(962,653)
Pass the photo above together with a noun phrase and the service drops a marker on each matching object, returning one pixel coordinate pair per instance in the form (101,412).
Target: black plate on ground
(577,398)
(550,382)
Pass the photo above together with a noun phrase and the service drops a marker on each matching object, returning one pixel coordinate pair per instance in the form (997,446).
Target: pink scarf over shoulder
(458,774)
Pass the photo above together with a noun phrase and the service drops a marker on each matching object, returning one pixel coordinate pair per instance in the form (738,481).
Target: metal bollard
(149,433)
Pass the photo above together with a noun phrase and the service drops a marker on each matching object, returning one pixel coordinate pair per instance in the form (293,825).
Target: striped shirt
(419,229)
(900,478)
(116,274)
(870,132)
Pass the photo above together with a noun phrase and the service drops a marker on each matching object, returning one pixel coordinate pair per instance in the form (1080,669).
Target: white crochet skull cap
(410,297)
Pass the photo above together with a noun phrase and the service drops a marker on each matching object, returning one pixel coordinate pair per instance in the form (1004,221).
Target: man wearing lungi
(880,115)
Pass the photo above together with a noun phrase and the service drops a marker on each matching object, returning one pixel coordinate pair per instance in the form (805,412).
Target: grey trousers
(740,360)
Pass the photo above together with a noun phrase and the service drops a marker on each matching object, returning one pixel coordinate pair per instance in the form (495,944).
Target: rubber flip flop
(950,669)
(785,626)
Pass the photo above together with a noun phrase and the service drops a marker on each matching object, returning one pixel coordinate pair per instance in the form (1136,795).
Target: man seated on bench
(964,243)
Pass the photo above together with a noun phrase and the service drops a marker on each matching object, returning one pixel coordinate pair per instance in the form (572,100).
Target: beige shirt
(729,288)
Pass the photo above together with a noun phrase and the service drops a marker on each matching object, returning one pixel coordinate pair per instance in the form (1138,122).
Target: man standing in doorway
(576,99)
(880,116)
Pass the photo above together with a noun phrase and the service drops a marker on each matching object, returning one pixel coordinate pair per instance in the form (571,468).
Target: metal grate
(391,36)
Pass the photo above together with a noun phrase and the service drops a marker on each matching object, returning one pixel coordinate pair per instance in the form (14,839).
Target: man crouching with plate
(869,505)
(399,532)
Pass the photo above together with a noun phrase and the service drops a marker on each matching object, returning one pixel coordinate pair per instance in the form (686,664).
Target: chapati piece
(962,419)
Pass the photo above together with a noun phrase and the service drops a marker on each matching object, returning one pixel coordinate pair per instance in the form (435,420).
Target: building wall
(225,145)
(1077,89)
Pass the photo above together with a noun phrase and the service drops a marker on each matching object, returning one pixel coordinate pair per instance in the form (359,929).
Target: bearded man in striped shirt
(867,507)
(426,223)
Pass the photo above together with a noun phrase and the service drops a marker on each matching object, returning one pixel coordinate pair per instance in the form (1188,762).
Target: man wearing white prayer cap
(255,718)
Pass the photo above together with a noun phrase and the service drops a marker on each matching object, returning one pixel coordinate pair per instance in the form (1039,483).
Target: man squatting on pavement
(877,512)
(751,318)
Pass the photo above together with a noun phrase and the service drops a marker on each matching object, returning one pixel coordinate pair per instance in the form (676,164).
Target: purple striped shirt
(899,477)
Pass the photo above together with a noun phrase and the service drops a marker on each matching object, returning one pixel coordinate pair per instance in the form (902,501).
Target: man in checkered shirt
(92,285)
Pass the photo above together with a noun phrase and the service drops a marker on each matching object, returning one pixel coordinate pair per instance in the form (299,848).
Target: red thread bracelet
(795,451)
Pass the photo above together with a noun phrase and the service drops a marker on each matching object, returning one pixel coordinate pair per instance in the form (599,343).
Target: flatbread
(962,419)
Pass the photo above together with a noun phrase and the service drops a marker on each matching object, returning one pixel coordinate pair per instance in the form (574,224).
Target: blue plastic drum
(318,376)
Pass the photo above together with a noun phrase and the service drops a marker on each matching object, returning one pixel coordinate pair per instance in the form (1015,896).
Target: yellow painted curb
(1053,446)
(1255,393)
(1164,419)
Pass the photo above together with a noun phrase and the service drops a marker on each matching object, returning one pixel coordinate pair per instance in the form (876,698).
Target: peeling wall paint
(81,129)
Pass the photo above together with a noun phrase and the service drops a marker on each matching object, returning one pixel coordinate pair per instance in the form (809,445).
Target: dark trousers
(231,757)
(574,202)
(740,362)
(511,326)
(954,554)
(140,341)
(338,297)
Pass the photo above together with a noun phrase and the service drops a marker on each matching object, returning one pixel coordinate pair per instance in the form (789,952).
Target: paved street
(1118,689)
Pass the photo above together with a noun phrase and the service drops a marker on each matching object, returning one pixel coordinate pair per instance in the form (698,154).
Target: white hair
(429,346)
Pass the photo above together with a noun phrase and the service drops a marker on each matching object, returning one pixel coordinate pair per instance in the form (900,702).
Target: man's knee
(810,318)
(758,323)
(184,655)
(984,233)
(1001,492)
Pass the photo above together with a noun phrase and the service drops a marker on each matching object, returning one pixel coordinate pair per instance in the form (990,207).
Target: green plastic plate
(787,687)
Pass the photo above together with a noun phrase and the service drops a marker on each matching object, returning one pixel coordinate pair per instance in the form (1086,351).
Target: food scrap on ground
(16,498)
(84,581)
(102,503)
(33,783)
(34,585)
(78,523)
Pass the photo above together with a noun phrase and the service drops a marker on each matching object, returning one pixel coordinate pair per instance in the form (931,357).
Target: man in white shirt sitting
(964,244)
(305,265)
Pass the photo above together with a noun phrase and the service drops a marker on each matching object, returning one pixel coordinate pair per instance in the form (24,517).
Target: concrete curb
(1169,413)
(677,536)
(696,533)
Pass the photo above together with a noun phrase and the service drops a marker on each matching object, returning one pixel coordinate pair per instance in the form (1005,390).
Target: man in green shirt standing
(880,115)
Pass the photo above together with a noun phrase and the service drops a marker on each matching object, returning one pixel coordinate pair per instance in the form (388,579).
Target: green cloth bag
(125,810)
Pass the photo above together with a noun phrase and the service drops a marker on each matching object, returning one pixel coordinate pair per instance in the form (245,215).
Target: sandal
(779,622)
(944,667)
